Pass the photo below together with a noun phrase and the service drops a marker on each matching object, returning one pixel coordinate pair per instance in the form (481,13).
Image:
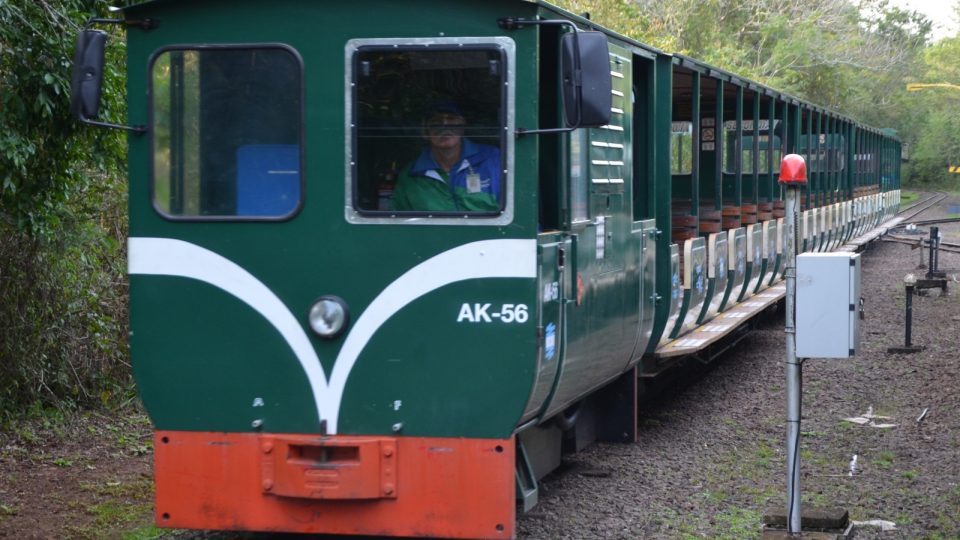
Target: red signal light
(793,170)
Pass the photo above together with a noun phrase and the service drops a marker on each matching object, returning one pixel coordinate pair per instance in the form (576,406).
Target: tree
(937,143)
(852,56)
(45,158)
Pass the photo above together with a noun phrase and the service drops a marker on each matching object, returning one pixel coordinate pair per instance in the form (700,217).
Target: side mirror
(585,68)
(87,80)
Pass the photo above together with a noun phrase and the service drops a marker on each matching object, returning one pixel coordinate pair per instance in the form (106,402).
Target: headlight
(328,316)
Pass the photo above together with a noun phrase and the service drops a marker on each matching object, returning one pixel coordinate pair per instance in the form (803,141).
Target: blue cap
(438,107)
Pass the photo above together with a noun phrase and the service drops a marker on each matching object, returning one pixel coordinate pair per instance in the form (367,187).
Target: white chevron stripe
(483,259)
(169,257)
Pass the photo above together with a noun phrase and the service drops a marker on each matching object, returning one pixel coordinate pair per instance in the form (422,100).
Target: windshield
(429,132)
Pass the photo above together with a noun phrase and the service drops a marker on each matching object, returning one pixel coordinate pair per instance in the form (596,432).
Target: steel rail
(935,221)
(918,242)
(926,204)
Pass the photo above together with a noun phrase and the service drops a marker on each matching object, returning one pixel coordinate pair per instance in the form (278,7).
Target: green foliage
(62,215)
(46,158)
(935,110)
(626,17)
(855,57)
(64,311)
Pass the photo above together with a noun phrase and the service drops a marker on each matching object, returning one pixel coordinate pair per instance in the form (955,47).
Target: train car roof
(721,74)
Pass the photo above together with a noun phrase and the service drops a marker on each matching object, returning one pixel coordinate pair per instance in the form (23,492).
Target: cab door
(554,290)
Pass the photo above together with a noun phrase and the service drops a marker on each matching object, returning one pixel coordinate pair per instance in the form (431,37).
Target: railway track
(922,206)
(915,210)
(916,242)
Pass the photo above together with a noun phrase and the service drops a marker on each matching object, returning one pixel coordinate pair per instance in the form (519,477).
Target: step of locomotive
(732,319)
(721,326)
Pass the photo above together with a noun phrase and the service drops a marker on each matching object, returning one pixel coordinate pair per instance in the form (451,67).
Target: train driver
(452,173)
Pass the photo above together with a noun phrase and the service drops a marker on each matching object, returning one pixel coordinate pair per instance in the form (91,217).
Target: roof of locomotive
(134,6)
(678,59)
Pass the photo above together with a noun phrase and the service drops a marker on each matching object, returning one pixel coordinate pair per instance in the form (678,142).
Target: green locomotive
(387,258)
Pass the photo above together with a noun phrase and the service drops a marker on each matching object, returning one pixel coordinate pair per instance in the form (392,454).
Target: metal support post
(909,324)
(793,176)
(935,234)
(910,285)
(793,367)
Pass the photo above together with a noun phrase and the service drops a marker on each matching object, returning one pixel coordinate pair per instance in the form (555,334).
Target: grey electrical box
(828,305)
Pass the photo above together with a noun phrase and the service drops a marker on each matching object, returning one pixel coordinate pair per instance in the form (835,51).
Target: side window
(730,146)
(836,149)
(746,150)
(681,148)
(227,130)
(429,130)
(745,144)
(579,171)
(765,148)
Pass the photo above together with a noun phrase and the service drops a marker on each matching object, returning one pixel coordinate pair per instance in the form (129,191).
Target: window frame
(507,48)
(301,125)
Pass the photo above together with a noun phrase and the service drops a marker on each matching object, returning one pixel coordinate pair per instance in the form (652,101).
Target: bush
(64,311)
(62,216)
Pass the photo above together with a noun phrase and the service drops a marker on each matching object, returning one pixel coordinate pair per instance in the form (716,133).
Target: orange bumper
(385,486)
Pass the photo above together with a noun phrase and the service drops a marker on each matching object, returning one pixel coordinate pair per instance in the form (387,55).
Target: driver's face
(444,130)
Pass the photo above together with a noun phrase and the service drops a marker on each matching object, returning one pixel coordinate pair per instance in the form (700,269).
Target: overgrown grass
(908,197)
(739,523)
(117,519)
(951,186)
(64,315)
(884,459)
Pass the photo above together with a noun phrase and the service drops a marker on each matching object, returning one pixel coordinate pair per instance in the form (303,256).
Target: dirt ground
(708,463)
(78,476)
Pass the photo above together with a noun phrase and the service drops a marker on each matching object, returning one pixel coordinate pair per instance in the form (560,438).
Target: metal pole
(909,315)
(935,234)
(930,251)
(793,367)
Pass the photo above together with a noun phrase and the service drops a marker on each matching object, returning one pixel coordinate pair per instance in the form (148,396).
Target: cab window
(429,130)
(227,129)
